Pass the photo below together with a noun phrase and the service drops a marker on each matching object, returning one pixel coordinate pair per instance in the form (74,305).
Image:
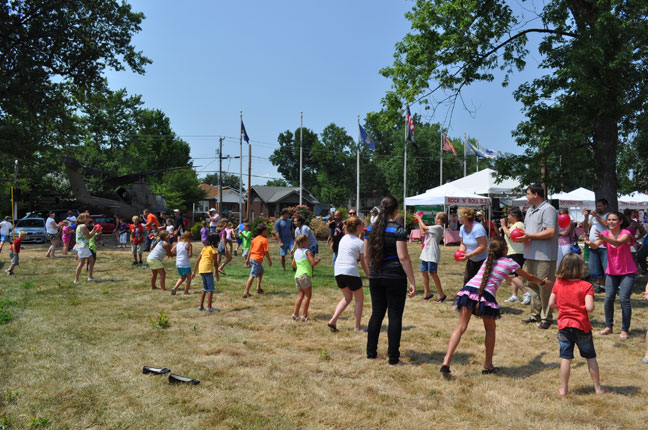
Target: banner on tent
(429,212)
(463,201)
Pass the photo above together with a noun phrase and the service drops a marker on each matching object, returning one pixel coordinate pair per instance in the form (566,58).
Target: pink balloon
(564,220)
(516,234)
(420,214)
(459,255)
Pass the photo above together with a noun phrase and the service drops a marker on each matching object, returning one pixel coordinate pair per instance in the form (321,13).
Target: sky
(273,60)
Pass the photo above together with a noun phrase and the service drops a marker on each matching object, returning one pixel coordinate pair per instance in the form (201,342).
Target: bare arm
(403,256)
(363,263)
(195,270)
(589,303)
(552,301)
(534,279)
(424,228)
(189,250)
(367,254)
(267,254)
(624,238)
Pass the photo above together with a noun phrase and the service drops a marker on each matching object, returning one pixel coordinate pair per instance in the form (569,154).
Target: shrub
(256,222)
(195,230)
(409,222)
(161,321)
(320,228)
(302,210)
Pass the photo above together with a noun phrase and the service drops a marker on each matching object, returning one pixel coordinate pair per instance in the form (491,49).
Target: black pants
(471,270)
(387,296)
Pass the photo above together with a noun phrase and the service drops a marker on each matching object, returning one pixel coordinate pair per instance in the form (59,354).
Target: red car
(107,223)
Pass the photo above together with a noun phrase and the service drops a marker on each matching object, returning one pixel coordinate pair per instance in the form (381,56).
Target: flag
(410,128)
(364,137)
(244,133)
(447,146)
(481,152)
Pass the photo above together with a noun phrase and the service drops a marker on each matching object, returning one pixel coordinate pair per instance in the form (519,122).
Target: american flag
(410,128)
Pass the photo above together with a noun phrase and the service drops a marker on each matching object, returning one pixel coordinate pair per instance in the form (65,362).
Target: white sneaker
(92,280)
(526,298)
(512,299)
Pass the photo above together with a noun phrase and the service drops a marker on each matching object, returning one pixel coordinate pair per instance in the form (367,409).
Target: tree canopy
(590,101)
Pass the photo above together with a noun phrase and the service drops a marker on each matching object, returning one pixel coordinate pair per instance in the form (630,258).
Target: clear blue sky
(273,60)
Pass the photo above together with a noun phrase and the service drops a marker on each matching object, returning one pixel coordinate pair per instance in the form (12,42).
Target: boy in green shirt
(246,237)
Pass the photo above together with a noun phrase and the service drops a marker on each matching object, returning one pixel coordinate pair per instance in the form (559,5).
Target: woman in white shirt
(347,275)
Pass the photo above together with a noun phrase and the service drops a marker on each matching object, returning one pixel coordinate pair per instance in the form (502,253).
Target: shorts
(123,238)
(84,252)
(14,258)
(519,259)
(245,252)
(239,240)
(303,281)
(285,250)
(208,282)
(4,238)
(221,248)
(353,283)
(52,237)
(137,248)
(182,271)
(428,266)
(94,255)
(257,268)
(154,263)
(569,336)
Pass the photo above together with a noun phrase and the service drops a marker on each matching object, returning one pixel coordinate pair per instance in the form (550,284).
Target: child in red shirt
(574,299)
(14,252)
(138,236)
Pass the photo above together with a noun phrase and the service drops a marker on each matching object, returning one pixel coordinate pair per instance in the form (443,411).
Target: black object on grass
(177,379)
(155,370)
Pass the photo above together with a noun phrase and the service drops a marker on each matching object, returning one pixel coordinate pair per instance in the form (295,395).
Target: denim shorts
(257,268)
(285,250)
(569,336)
(4,238)
(208,282)
(428,266)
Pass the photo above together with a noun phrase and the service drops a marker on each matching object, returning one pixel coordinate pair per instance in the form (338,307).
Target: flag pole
(301,126)
(358,170)
(441,159)
(465,144)
(405,169)
(241,172)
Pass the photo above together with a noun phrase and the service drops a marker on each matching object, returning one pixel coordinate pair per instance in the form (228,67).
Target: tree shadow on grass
(436,357)
(278,293)
(244,308)
(626,390)
(536,365)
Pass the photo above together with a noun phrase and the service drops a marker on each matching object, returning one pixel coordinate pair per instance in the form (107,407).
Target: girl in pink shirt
(478,298)
(621,270)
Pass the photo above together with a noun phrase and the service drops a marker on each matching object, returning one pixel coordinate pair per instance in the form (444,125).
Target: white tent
(449,195)
(578,198)
(483,182)
(634,200)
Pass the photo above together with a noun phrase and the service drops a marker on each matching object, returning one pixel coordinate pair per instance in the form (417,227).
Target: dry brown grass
(73,355)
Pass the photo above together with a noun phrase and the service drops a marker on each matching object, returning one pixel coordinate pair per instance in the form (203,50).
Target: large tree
(229,180)
(595,54)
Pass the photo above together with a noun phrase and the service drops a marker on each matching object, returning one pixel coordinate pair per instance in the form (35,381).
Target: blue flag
(481,152)
(364,137)
(244,133)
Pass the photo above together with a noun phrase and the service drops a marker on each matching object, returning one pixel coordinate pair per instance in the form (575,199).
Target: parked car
(35,229)
(107,223)
(59,214)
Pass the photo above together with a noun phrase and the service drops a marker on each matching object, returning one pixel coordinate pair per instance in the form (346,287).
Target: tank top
(158,252)
(303,264)
(182,255)
(81,239)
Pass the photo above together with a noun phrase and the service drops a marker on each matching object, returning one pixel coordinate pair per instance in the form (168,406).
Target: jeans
(334,257)
(623,284)
(598,263)
(387,296)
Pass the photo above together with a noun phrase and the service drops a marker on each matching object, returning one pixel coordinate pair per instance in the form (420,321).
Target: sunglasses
(352,213)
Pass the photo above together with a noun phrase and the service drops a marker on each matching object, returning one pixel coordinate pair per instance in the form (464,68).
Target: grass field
(71,357)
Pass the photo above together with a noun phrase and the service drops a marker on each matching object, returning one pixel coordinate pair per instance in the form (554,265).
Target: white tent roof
(578,198)
(483,182)
(447,194)
(634,200)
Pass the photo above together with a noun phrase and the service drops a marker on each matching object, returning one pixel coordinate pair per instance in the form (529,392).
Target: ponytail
(388,205)
(495,251)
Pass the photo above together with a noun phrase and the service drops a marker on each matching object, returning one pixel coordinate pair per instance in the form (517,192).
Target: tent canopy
(483,182)
(447,194)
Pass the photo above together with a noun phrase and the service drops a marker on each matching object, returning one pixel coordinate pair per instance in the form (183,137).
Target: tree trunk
(606,142)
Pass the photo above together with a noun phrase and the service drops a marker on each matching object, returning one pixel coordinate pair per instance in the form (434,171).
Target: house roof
(230,195)
(275,194)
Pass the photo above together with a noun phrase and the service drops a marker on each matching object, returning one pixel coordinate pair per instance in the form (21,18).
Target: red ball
(564,220)
(459,255)
(516,234)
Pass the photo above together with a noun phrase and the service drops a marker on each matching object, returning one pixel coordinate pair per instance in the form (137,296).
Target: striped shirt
(502,268)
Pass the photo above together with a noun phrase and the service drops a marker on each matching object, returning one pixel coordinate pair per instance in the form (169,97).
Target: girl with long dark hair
(478,298)
(390,268)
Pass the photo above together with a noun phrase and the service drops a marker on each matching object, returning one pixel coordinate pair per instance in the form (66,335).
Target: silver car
(35,229)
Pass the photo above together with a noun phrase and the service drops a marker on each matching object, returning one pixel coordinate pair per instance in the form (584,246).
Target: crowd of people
(548,252)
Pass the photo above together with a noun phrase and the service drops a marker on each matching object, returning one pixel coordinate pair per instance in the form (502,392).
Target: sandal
(441,299)
(332,327)
(605,331)
(428,297)
(623,336)
(305,319)
(259,291)
(295,317)
(644,360)
(490,371)
(445,370)
(246,295)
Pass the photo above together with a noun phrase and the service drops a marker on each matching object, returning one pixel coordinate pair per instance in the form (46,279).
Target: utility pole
(220,177)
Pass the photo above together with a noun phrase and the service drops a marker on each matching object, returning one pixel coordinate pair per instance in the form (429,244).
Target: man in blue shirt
(283,233)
